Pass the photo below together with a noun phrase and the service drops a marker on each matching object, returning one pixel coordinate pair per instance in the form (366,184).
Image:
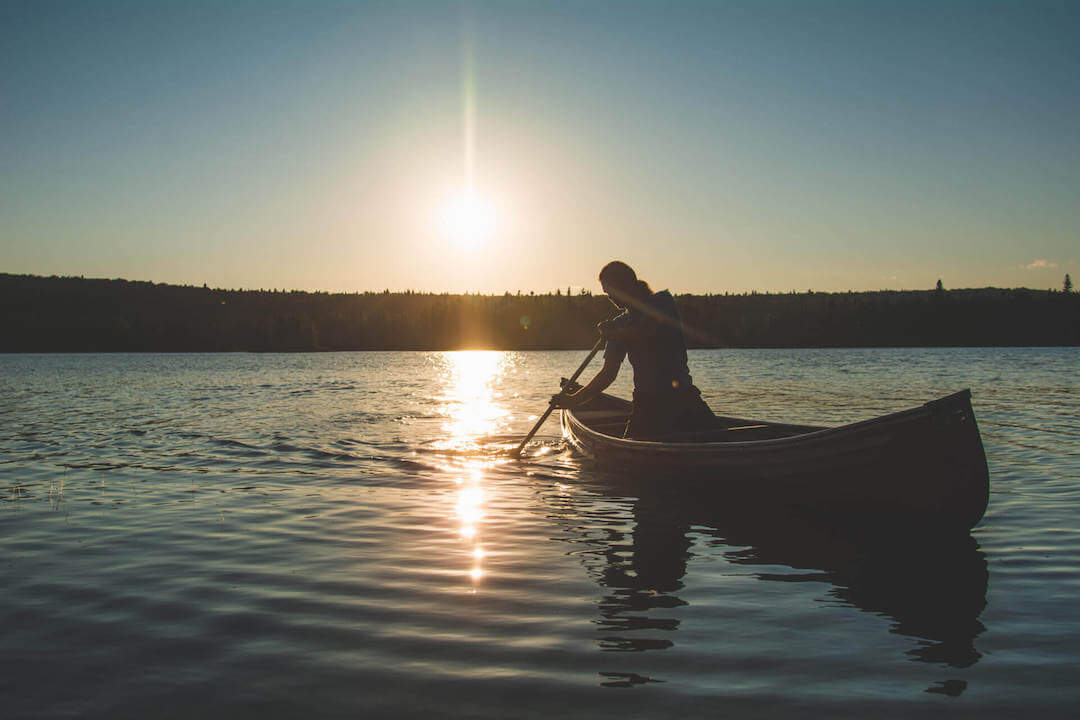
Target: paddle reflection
(932,589)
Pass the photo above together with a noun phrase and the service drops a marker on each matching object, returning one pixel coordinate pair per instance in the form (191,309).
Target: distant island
(73,314)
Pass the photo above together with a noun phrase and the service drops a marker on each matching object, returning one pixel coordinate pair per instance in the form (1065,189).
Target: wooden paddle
(551,403)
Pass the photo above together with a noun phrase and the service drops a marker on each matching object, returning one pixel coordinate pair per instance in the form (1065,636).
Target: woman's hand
(612,329)
(563,401)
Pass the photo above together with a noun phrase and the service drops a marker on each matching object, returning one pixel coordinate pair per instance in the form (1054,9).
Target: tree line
(73,314)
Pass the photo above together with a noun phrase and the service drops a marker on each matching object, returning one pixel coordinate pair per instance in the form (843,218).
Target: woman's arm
(597,385)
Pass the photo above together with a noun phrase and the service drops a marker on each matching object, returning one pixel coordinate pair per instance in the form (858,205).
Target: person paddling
(649,331)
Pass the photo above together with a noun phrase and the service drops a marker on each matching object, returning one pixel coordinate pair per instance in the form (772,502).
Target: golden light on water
(470,402)
(470,511)
(469,506)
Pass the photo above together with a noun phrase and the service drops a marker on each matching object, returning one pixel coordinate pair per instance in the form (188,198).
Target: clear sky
(715,146)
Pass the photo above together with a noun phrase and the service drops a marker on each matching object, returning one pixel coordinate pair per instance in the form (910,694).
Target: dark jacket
(650,334)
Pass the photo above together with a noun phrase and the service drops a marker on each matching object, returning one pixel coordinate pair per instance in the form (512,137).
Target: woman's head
(621,284)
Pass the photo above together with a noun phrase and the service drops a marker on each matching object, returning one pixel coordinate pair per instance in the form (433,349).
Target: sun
(468,219)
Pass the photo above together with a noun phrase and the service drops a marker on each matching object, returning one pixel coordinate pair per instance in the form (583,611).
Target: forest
(74,314)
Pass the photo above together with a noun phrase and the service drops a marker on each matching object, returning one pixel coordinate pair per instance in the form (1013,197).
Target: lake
(342,534)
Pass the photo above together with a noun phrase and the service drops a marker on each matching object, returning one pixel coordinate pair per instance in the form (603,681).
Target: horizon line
(518,292)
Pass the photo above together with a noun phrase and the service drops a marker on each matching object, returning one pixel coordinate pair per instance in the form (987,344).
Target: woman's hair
(620,275)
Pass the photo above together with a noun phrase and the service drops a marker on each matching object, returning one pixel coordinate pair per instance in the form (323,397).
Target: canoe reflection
(932,588)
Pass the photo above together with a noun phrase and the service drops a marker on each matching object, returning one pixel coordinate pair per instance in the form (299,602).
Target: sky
(715,146)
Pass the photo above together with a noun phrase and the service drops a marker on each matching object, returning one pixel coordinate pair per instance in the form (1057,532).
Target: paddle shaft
(551,405)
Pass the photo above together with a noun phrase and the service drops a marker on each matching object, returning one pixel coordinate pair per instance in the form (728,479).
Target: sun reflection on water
(470,510)
(470,402)
(474,416)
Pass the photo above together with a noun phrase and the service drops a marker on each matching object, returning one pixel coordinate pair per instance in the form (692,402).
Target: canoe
(920,468)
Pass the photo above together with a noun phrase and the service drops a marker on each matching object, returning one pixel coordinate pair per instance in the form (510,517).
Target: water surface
(342,535)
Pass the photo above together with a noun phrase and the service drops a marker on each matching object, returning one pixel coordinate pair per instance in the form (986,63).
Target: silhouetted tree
(1067,285)
(939,287)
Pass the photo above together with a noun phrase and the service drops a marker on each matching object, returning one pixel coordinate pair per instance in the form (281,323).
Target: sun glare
(468,220)
(472,406)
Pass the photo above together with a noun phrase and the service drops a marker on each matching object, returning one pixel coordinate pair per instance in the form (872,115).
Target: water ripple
(344,534)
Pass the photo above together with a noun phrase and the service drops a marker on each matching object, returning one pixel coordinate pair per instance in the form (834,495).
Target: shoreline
(54,314)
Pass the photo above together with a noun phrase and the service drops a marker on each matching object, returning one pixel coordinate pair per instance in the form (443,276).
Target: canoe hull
(926,465)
